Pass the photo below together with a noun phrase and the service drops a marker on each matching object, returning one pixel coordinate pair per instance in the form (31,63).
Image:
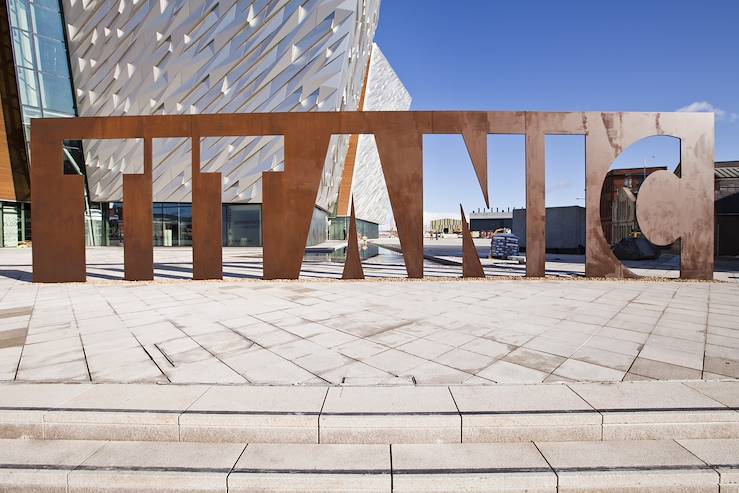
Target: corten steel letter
(474,127)
(400,146)
(471,265)
(207,248)
(536,215)
(603,144)
(58,212)
(353,263)
(668,207)
(138,244)
(289,198)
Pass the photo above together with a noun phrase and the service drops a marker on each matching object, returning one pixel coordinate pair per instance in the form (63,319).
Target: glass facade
(318,232)
(172,224)
(105,225)
(15,227)
(242,224)
(45,90)
(40,50)
(339,228)
(95,225)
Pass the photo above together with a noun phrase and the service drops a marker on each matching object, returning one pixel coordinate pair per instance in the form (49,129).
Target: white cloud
(706,107)
(560,185)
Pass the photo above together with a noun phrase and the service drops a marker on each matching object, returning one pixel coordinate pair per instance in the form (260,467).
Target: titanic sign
(668,207)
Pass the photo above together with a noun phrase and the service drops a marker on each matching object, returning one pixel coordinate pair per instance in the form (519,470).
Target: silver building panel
(145,57)
(385,91)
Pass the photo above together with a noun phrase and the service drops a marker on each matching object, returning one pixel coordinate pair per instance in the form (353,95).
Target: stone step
(583,466)
(370,415)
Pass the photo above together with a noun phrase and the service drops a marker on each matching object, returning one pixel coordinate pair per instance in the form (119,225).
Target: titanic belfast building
(66,58)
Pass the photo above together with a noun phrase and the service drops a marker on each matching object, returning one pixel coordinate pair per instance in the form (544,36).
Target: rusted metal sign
(668,207)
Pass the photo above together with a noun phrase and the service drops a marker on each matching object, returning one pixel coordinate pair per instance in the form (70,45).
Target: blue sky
(624,55)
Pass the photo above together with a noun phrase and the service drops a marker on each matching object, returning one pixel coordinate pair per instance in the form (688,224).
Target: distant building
(446,226)
(616,179)
(565,229)
(487,222)
(624,215)
(726,182)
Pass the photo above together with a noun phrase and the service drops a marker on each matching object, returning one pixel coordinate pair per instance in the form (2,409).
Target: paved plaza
(326,261)
(323,332)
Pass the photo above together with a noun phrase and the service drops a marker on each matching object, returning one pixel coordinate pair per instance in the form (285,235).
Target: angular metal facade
(139,57)
(385,92)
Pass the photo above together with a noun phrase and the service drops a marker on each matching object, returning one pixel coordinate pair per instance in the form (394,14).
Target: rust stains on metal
(536,223)
(353,263)
(138,244)
(207,251)
(471,265)
(290,196)
(667,207)
(57,215)
(400,146)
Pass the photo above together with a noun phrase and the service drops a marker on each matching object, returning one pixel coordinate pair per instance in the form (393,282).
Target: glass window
(28,88)
(27,220)
(30,112)
(57,93)
(44,84)
(57,114)
(52,56)
(23,48)
(185,225)
(73,158)
(158,224)
(115,224)
(170,225)
(19,10)
(47,22)
(338,228)
(11,218)
(49,4)
(94,228)
(242,225)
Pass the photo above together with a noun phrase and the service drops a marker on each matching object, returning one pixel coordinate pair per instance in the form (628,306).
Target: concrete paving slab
(643,410)
(645,465)
(156,467)
(722,455)
(39,465)
(725,392)
(254,414)
(122,412)
(584,330)
(23,406)
(312,468)
(389,415)
(471,467)
(516,413)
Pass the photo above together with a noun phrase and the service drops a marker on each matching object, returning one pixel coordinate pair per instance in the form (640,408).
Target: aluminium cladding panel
(215,56)
(385,92)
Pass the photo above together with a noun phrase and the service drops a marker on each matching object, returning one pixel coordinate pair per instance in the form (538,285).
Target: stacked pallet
(504,245)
